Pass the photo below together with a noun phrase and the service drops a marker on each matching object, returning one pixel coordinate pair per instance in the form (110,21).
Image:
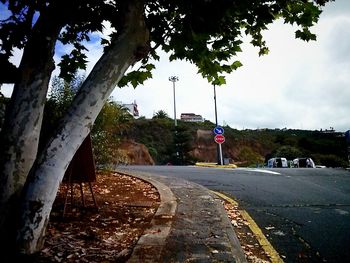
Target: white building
(191,117)
(132,107)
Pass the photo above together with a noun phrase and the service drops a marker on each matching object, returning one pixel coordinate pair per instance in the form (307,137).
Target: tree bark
(20,133)
(43,184)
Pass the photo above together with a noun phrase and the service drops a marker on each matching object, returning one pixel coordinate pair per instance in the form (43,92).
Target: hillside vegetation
(119,138)
(193,142)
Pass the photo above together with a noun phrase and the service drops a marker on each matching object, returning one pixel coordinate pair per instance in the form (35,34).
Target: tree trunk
(21,130)
(42,187)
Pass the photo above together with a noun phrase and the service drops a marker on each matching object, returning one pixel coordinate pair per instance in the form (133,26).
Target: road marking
(258,170)
(266,245)
(341,212)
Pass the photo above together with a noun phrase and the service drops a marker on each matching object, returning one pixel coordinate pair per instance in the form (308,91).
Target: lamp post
(173,79)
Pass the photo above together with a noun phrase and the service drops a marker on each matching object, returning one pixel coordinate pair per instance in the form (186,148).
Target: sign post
(219,139)
(347,137)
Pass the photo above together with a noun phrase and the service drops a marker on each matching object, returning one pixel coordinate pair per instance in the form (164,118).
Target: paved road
(305,213)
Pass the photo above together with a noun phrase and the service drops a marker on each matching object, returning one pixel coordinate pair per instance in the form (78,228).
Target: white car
(303,163)
(277,162)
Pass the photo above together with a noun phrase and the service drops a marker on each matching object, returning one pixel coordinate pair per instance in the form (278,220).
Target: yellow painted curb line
(225,197)
(216,165)
(266,245)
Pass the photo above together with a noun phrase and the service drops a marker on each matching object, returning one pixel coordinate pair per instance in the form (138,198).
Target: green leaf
(235,65)
(305,35)
(220,80)
(150,67)
(135,78)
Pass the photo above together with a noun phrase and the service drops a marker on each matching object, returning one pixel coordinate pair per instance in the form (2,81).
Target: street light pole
(218,146)
(216,114)
(173,79)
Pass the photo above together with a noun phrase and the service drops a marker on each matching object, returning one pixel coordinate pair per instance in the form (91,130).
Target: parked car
(304,162)
(277,162)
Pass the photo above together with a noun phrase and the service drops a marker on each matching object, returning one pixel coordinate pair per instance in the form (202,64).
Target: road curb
(149,246)
(265,244)
(235,244)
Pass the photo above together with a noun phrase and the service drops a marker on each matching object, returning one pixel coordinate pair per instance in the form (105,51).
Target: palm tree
(160,115)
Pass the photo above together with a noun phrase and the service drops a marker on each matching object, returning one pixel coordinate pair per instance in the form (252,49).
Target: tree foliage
(182,145)
(107,132)
(206,33)
(18,29)
(288,152)
(108,129)
(59,99)
(249,157)
(182,29)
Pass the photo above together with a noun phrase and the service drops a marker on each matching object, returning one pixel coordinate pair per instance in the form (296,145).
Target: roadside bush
(329,160)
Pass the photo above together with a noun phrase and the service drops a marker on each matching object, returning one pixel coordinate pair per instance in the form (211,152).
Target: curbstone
(149,246)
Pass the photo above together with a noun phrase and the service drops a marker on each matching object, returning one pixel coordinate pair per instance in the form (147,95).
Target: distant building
(191,117)
(132,107)
(331,130)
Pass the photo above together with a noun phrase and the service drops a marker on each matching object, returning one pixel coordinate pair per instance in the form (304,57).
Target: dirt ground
(108,232)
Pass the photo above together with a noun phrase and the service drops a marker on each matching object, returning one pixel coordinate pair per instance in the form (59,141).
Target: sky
(298,85)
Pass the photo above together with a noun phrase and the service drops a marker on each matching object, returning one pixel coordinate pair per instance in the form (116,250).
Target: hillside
(153,141)
(194,142)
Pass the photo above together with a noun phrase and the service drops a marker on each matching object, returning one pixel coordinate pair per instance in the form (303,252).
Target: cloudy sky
(298,85)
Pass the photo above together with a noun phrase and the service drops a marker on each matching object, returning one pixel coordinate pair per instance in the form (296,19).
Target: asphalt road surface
(305,213)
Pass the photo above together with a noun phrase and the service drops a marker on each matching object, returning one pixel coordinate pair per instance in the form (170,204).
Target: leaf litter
(126,206)
(106,234)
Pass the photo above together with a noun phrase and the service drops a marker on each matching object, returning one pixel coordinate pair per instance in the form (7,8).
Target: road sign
(218,130)
(219,138)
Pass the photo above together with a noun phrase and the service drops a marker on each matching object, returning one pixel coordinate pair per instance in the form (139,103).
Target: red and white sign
(219,138)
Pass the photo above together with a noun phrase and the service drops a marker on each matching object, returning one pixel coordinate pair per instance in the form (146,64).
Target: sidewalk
(190,225)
